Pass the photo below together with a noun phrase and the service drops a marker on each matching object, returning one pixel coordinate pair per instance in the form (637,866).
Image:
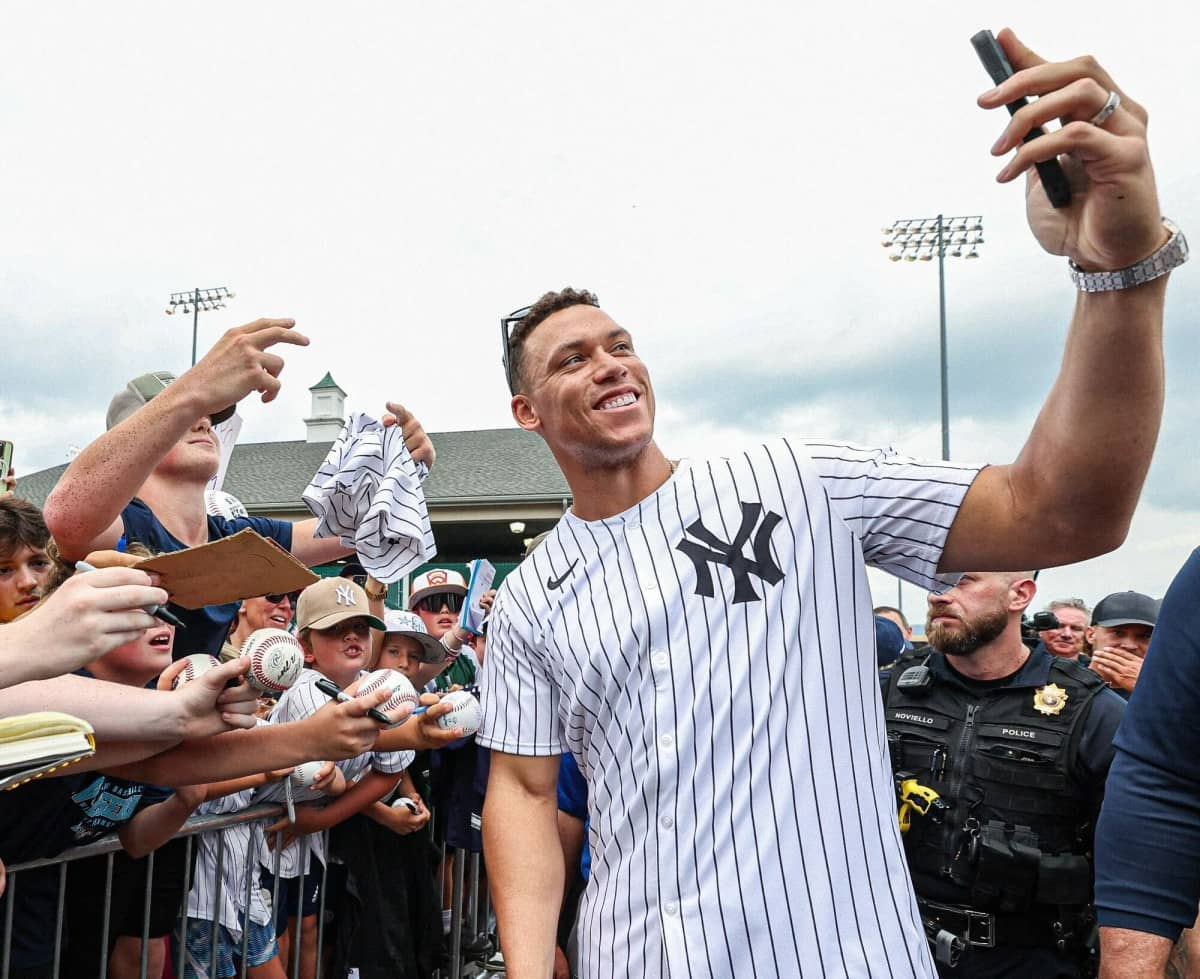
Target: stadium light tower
(922,238)
(195,301)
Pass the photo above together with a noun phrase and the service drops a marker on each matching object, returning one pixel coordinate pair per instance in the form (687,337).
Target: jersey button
(667,822)
(660,659)
(667,741)
(671,907)
(650,586)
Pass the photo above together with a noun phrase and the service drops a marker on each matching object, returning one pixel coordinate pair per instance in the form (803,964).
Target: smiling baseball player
(699,634)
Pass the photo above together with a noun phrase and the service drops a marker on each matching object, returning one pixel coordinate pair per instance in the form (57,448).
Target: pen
(160,612)
(329,688)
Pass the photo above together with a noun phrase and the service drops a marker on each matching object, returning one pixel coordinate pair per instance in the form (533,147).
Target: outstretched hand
(240,363)
(210,706)
(1113,220)
(418,443)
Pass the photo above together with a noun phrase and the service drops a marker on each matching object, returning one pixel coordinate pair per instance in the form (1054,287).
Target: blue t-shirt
(1148,836)
(206,627)
(573,800)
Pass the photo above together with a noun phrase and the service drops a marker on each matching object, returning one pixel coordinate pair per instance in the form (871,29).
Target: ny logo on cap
(710,547)
(345,595)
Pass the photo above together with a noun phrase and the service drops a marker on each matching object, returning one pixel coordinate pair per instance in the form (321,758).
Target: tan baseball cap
(329,601)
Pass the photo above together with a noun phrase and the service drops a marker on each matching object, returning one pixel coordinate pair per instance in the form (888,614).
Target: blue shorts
(260,948)
(288,887)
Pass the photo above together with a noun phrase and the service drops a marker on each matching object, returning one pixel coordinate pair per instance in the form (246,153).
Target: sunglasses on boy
(434,603)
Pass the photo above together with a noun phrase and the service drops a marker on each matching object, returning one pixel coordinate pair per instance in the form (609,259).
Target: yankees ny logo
(709,547)
(345,595)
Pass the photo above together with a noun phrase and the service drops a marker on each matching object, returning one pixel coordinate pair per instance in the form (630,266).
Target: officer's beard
(969,636)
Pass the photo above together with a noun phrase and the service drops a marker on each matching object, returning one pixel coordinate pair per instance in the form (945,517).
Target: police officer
(1000,756)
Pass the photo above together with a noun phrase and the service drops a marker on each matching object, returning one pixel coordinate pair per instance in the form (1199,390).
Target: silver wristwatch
(1172,254)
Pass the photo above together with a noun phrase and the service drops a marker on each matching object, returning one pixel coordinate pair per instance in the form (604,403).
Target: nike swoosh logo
(557,582)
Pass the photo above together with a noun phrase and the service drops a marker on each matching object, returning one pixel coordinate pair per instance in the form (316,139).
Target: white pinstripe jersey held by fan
(708,658)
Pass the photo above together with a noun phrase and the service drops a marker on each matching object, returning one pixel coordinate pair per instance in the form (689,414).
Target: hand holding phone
(1054,180)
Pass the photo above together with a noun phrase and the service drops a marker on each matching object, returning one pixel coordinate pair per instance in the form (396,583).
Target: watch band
(1170,256)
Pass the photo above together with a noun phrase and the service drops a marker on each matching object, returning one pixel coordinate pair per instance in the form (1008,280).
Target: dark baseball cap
(1125,608)
(890,643)
(140,390)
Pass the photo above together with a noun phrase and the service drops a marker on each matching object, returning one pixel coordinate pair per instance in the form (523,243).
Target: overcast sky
(397,176)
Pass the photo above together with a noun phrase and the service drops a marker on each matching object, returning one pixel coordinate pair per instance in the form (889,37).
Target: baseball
(194,665)
(275,659)
(466,712)
(402,689)
(304,775)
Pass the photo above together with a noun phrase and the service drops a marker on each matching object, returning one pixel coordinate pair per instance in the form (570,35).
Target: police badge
(1050,699)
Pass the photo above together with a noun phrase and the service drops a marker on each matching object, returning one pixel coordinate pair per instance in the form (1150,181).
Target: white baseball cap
(436,581)
(409,624)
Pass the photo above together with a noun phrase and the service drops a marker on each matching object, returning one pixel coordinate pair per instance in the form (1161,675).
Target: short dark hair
(881,609)
(21,525)
(549,304)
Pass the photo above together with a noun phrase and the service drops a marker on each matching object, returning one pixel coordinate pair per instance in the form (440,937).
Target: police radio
(916,679)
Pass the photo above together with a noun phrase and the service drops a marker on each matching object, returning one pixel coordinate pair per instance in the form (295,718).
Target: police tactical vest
(1018,829)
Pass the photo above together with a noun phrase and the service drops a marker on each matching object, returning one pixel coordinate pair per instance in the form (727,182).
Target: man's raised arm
(525,859)
(1100,421)
(83,511)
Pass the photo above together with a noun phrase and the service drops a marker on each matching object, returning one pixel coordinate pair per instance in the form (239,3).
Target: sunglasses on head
(434,603)
(277,598)
(507,325)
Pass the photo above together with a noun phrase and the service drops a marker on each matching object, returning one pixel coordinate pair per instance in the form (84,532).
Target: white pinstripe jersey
(298,702)
(708,657)
(240,856)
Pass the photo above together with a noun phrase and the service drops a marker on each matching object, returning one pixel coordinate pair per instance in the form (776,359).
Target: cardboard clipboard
(245,565)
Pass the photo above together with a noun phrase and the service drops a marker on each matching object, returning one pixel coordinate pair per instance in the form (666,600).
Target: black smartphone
(1054,181)
(5,460)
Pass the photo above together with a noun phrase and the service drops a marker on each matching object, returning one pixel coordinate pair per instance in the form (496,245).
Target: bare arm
(1015,516)
(83,511)
(119,713)
(156,824)
(309,819)
(525,859)
(1106,403)
(1125,953)
(337,730)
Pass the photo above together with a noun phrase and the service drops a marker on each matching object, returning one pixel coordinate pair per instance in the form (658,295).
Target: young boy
(239,923)
(334,629)
(24,565)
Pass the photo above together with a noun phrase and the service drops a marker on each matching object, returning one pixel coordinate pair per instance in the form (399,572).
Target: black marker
(329,688)
(160,612)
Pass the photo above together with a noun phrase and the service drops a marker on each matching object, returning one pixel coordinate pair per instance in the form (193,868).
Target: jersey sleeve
(519,695)
(392,762)
(1148,834)
(900,508)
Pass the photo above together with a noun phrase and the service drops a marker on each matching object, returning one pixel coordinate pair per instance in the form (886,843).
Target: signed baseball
(466,712)
(194,665)
(401,689)
(304,775)
(275,659)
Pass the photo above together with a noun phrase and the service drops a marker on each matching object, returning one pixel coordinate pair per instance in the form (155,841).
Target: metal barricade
(111,845)
(469,942)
